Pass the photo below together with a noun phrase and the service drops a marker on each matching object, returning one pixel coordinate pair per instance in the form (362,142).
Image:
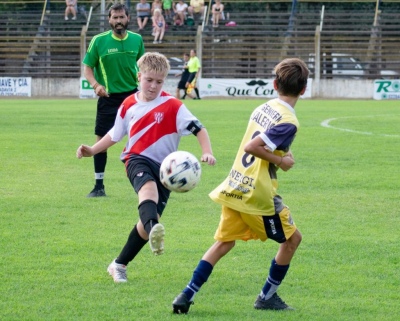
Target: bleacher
(55,47)
(253,50)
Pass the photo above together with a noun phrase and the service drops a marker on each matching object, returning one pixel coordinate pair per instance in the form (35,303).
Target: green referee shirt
(114,60)
(193,64)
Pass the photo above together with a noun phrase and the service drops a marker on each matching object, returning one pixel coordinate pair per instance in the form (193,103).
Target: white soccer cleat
(156,239)
(118,272)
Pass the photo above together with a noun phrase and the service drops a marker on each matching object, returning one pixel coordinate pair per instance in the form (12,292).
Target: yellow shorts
(235,225)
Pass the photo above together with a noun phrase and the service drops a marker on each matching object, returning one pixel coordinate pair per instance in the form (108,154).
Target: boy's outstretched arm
(88,151)
(205,144)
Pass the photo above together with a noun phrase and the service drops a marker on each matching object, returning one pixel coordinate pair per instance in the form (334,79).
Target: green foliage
(56,244)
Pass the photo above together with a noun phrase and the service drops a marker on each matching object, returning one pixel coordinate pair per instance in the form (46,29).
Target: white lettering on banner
(386,89)
(261,88)
(10,86)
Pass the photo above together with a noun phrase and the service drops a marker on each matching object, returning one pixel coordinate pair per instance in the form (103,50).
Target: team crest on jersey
(158,117)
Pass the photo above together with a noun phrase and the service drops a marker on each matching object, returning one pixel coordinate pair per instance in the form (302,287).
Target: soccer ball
(180,172)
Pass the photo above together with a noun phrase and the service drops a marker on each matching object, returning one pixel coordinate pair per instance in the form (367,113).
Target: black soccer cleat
(181,304)
(273,303)
(97,192)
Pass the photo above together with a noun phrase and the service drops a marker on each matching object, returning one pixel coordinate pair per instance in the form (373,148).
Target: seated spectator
(143,11)
(217,12)
(158,26)
(167,6)
(180,13)
(196,7)
(71,8)
(157,4)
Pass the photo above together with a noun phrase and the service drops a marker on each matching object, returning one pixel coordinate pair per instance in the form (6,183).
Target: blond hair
(154,62)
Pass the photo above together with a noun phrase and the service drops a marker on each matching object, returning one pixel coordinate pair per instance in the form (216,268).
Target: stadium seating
(251,48)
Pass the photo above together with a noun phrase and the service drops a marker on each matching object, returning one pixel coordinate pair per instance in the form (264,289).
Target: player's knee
(294,241)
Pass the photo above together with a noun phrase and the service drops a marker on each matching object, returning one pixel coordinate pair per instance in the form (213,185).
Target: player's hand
(287,162)
(289,154)
(207,157)
(84,151)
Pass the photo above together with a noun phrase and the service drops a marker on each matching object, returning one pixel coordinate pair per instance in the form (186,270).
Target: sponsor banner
(85,89)
(386,89)
(10,86)
(257,88)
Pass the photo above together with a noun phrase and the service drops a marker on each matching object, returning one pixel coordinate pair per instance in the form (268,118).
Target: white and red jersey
(154,128)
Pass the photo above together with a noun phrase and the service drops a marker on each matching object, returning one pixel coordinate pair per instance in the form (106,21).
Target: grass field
(56,244)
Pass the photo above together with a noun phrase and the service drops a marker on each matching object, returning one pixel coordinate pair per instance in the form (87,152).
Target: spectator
(217,12)
(143,10)
(157,4)
(196,7)
(71,8)
(47,6)
(184,77)
(158,26)
(167,6)
(180,13)
(194,67)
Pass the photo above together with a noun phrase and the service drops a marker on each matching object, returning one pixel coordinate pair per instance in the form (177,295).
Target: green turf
(56,244)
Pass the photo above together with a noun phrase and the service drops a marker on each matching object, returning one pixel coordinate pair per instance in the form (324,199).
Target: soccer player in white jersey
(154,121)
(251,207)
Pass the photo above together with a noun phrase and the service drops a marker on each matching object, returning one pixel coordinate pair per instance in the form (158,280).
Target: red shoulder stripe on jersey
(162,121)
(127,103)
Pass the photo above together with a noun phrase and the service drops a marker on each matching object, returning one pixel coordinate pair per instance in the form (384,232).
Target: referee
(110,66)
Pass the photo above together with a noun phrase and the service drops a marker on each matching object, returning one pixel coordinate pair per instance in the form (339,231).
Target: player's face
(118,22)
(150,85)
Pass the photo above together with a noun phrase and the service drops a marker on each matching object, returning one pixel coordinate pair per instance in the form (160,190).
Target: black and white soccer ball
(180,172)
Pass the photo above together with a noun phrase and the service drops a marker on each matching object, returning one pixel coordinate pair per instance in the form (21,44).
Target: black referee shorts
(191,77)
(107,108)
(182,82)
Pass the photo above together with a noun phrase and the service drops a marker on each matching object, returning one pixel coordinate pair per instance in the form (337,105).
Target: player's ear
(139,75)
(303,91)
(275,84)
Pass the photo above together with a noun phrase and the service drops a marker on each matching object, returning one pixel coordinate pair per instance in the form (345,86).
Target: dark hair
(118,7)
(291,76)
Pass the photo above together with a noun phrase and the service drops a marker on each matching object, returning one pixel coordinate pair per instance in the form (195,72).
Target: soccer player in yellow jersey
(251,207)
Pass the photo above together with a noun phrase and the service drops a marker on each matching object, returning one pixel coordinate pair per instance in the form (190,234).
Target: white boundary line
(326,124)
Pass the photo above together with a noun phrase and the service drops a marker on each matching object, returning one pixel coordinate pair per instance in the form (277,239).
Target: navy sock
(276,275)
(200,276)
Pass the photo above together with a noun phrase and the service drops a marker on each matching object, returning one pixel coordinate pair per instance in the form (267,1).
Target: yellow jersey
(251,186)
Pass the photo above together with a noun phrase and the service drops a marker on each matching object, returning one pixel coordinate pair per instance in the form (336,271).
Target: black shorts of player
(107,108)
(140,170)
(273,224)
(183,81)
(191,77)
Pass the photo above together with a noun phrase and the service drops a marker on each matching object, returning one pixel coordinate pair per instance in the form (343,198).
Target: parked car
(176,66)
(345,65)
